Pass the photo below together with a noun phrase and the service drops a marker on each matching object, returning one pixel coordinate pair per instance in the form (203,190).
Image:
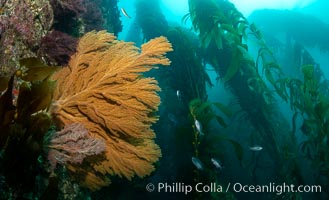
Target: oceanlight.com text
(278,189)
(233,187)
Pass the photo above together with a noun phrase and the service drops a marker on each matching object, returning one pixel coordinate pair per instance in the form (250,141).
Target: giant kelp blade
(281,89)
(39,125)
(293,122)
(237,148)
(308,71)
(6,100)
(321,109)
(197,106)
(7,112)
(221,121)
(206,40)
(4,83)
(234,65)
(30,63)
(42,93)
(23,102)
(37,71)
(224,109)
(185,18)
(34,98)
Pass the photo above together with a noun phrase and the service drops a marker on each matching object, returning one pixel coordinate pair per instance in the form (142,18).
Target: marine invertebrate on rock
(73,144)
(57,48)
(29,19)
(103,89)
(22,25)
(93,16)
(67,14)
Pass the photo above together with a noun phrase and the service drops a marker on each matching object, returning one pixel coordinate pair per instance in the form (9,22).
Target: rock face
(22,25)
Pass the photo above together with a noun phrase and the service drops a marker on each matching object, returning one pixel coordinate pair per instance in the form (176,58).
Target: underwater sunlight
(180,7)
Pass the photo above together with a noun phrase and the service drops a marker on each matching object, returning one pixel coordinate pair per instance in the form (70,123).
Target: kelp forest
(218,106)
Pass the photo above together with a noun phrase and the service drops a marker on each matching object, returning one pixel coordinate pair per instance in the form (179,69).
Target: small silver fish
(256,148)
(197,163)
(125,13)
(217,164)
(198,127)
(178,95)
